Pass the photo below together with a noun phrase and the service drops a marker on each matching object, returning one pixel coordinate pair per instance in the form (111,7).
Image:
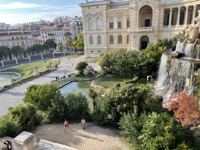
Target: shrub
(27,115)
(81,66)
(76,106)
(9,126)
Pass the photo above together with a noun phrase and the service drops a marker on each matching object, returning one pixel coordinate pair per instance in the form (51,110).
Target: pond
(75,87)
(5,78)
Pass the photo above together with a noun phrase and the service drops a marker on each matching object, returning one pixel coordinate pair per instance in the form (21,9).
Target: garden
(128,106)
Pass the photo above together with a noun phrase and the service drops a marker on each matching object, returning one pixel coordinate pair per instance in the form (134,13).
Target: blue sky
(20,11)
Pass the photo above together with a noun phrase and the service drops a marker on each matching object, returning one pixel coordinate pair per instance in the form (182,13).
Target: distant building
(133,24)
(4,26)
(16,37)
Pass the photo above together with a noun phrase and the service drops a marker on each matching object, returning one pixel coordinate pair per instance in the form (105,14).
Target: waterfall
(188,50)
(198,52)
(180,75)
(179,46)
(162,74)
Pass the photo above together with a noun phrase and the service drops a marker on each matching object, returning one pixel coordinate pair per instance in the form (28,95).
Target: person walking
(83,123)
(66,125)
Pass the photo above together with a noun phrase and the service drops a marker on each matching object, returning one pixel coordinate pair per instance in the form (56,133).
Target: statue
(192,32)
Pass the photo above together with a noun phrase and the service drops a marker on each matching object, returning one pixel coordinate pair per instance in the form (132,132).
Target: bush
(9,126)
(27,115)
(80,66)
(42,97)
(76,106)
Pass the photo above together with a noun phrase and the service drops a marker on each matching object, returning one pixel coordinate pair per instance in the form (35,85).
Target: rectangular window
(120,25)
(111,25)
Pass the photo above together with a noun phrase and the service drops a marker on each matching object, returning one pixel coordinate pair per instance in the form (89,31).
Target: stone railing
(94,30)
(144,29)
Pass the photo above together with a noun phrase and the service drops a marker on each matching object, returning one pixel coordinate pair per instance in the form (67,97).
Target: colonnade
(180,16)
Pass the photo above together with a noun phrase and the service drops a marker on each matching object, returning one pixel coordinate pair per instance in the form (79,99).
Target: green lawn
(25,69)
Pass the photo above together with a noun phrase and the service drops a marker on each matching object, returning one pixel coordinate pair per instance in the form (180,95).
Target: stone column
(29,58)
(186,15)
(178,17)
(16,60)
(2,63)
(193,16)
(53,55)
(41,56)
(170,17)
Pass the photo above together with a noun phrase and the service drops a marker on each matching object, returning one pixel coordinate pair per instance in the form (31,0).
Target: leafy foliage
(70,42)
(16,50)
(42,97)
(4,50)
(60,47)
(27,115)
(76,106)
(125,99)
(93,96)
(80,66)
(131,63)
(49,44)
(36,48)
(79,43)
(186,108)
(9,126)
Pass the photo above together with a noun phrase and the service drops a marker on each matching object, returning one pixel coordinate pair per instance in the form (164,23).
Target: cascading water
(162,74)
(179,46)
(188,50)
(178,74)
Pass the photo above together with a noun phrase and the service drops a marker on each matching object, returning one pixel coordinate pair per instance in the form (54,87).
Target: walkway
(14,96)
(91,138)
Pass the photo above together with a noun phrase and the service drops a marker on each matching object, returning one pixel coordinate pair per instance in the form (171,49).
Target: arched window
(128,22)
(127,39)
(111,39)
(99,39)
(119,39)
(90,23)
(91,40)
(111,24)
(99,23)
(119,23)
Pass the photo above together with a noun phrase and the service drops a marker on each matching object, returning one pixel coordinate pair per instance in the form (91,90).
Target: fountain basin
(5,77)
(73,87)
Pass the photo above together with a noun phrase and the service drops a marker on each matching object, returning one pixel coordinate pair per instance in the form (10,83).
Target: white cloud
(45,15)
(20,5)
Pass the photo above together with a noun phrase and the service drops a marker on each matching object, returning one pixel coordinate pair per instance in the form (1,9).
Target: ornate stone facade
(133,24)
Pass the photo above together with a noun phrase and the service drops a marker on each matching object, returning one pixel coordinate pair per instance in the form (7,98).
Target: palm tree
(93,96)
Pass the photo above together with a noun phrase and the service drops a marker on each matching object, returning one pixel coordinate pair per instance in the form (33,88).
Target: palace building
(133,24)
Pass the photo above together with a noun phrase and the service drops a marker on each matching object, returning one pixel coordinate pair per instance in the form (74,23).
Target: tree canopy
(79,43)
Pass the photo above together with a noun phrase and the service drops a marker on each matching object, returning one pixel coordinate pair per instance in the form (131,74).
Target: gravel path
(92,138)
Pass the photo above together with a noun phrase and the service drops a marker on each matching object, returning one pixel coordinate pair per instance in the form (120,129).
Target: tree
(81,66)
(186,108)
(9,126)
(4,50)
(93,96)
(60,47)
(79,43)
(17,50)
(36,48)
(76,106)
(70,42)
(42,97)
(27,115)
(49,44)
(128,98)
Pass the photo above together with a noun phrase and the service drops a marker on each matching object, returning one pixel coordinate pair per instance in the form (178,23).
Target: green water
(5,78)
(76,87)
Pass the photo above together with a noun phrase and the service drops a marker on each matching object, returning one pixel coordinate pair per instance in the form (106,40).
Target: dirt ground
(91,138)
